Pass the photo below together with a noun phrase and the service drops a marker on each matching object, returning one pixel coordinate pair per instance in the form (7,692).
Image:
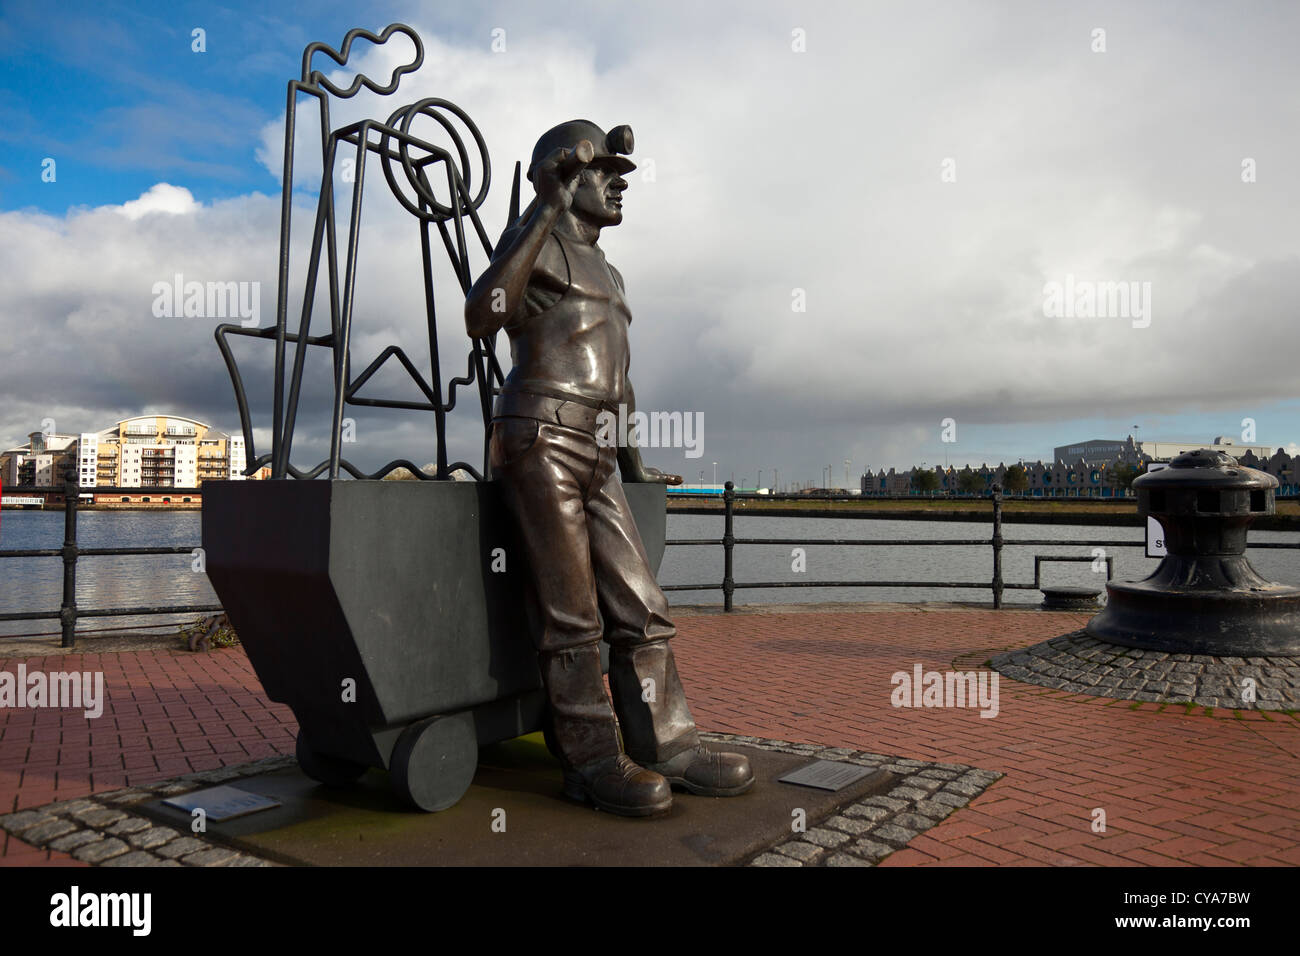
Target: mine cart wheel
(324,768)
(434,761)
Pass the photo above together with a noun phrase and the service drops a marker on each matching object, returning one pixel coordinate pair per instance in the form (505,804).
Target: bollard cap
(1203,468)
(1205,483)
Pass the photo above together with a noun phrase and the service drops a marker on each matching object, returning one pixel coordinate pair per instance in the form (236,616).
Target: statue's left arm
(630,466)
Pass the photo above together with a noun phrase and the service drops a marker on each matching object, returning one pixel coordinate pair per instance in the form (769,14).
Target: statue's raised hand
(558,175)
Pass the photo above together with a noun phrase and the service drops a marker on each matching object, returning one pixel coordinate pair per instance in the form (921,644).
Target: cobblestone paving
(1081,664)
(102,830)
(868,830)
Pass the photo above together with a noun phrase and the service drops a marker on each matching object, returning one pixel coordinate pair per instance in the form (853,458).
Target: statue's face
(599,199)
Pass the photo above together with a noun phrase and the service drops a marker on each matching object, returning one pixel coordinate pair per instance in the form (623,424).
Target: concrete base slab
(515,815)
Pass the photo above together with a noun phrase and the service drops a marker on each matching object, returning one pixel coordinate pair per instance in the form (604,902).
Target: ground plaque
(826,775)
(222,803)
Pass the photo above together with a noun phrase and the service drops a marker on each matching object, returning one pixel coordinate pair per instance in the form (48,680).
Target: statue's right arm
(499,291)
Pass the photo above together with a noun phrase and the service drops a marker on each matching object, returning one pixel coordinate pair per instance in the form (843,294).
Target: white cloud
(162,197)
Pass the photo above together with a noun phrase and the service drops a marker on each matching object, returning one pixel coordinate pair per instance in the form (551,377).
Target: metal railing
(68,613)
(996,542)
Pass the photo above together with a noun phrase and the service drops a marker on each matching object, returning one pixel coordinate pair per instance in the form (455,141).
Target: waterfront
(36,584)
(120,581)
(692,565)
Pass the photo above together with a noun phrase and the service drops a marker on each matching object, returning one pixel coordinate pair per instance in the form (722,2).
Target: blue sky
(115,93)
(777,171)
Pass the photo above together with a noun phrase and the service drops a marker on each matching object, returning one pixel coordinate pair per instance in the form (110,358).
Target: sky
(851,234)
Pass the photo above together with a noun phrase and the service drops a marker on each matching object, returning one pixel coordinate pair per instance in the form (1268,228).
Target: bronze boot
(658,728)
(707,773)
(584,732)
(620,786)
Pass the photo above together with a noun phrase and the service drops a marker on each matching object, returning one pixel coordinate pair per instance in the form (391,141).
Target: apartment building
(148,451)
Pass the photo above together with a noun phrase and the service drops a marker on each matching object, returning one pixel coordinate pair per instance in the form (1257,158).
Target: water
(36,584)
(124,581)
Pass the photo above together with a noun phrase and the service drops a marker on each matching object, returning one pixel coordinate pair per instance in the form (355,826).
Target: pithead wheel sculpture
(421,162)
(369,607)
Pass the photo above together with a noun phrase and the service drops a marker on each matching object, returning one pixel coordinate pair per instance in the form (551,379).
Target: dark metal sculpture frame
(483,366)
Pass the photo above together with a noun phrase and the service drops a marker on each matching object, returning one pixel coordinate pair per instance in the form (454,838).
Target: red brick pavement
(167,713)
(1176,787)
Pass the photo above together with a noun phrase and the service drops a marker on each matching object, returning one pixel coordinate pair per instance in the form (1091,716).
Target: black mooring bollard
(1204,598)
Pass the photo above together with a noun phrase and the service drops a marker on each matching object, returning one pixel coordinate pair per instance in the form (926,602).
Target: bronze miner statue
(563,306)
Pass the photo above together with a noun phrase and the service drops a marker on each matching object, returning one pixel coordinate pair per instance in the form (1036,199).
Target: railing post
(997,547)
(68,611)
(728,545)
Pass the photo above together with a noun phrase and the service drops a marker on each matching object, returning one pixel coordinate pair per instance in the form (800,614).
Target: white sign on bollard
(1155,530)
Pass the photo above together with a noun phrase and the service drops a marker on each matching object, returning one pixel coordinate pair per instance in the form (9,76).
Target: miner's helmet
(612,147)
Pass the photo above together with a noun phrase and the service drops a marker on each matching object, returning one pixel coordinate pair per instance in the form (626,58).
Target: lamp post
(715,472)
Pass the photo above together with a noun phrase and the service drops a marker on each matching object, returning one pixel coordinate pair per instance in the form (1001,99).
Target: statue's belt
(562,408)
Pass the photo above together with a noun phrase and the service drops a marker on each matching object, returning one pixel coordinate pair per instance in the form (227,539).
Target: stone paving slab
(1078,663)
(516,815)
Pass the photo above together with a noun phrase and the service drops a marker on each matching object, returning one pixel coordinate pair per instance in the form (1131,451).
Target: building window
(144,499)
(126,499)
